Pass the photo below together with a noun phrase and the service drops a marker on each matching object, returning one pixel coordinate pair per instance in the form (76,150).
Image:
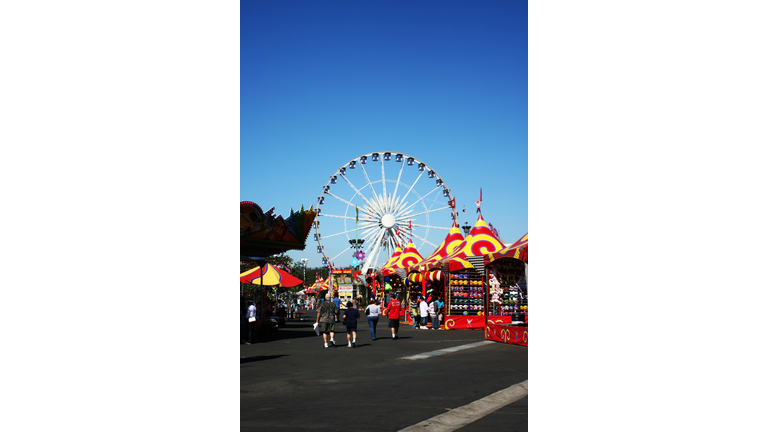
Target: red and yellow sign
(515,335)
(464,322)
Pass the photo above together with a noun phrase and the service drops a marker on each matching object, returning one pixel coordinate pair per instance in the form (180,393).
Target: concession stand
(464,284)
(506,294)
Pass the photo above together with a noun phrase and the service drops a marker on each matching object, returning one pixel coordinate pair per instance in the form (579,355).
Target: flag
(481,194)
(481,191)
(409,225)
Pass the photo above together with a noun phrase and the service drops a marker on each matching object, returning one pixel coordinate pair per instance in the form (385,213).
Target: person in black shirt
(351,315)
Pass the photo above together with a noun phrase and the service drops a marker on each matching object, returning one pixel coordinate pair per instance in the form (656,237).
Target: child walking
(350,320)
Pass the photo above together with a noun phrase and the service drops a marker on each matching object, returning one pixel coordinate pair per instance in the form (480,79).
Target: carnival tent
(319,285)
(272,276)
(449,244)
(393,259)
(517,250)
(409,256)
(479,242)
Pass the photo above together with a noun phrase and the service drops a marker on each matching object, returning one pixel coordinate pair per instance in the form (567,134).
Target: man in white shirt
(251,318)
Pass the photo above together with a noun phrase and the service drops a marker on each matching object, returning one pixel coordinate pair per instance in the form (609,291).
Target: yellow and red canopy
(479,242)
(271,276)
(517,250)
(409,256)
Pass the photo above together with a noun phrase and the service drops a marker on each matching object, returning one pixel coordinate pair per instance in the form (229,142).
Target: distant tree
(284,260)
(281,259)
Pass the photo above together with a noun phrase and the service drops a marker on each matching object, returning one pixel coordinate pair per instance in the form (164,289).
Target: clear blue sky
(444,81)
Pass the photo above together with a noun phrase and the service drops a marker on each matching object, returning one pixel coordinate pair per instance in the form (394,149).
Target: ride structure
(377,210)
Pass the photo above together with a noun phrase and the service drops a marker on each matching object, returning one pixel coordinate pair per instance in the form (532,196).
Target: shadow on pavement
(259,358)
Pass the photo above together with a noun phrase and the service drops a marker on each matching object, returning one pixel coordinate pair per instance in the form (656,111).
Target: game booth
(456,273)
(343,286)
(427,277)
(506,294)
(464,282)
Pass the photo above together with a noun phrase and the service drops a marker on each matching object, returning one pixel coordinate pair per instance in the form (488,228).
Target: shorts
(326,327)
(351,329)
(394,323)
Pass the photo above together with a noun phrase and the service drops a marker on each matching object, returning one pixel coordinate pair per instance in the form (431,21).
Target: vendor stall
(428,271)
(343,277)
(507,319)
(465,305)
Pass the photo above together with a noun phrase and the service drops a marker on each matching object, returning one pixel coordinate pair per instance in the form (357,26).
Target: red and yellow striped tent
(517,250)
(449,244)
(479,242)
(408,257)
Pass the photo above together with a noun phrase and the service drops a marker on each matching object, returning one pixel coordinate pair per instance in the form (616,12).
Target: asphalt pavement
(291,382)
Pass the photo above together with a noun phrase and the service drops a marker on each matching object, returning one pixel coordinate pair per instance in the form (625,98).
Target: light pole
(466,228)
(304,261)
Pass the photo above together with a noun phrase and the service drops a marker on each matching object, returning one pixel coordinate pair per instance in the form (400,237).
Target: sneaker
(349,344)
(397,337)
(326,345)
(333,343)
(354,345)
(247,343)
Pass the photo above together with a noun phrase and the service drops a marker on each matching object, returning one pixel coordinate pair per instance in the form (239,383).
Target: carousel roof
(263,234)
(449,244)
(479,242)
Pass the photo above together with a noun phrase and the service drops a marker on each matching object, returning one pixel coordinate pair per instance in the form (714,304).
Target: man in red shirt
(393,312)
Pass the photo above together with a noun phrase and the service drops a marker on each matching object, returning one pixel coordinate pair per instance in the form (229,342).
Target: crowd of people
(329,312)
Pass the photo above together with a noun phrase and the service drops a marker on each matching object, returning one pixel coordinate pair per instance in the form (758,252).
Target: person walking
(387,293)
(414,303)
(373,311)
(393,313)
(440,311)
(423,313)
(337,301)
(433,309)
(326,318)
(251,318)
(351,315)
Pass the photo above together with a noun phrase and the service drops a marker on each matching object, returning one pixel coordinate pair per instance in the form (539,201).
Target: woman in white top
(433,315)
(373,311)
(423,313)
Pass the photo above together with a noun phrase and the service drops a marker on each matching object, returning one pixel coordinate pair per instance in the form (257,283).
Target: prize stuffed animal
(495,289)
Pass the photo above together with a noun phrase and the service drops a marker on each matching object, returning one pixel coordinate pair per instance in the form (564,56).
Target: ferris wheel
(377,202)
